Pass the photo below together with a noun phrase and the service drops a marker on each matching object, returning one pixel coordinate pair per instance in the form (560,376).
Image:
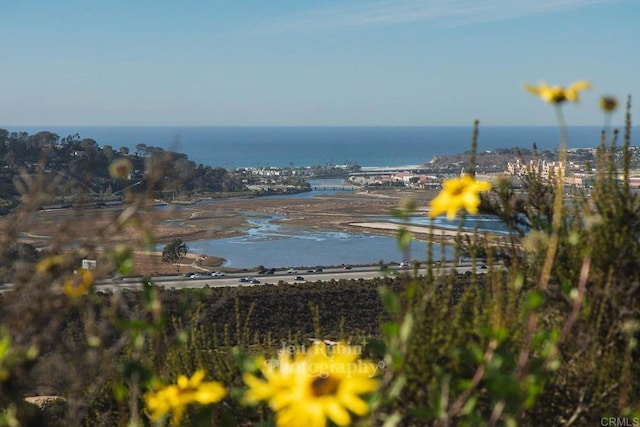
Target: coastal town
(516,163)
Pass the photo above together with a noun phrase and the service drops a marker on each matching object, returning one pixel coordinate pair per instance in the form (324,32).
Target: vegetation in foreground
(549,340)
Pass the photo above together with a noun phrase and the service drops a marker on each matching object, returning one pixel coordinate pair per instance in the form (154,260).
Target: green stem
(558,202)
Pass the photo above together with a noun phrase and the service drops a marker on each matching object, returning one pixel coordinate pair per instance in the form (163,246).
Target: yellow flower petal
(558,94)
(120,168)
(79,284)
(458,193)
(176,397)
(336,412)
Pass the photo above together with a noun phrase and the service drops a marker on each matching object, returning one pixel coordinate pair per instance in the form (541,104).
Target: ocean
(233,147)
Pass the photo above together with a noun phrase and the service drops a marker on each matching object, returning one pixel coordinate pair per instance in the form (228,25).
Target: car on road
(347,267)
(292,271)
(245,279)
(217,274)
(299,278)
(196,276)
(315,270)
(254,281)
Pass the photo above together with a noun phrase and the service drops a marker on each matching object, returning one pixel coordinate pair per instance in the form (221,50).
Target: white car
(196,276)
(217,274)
(292,271)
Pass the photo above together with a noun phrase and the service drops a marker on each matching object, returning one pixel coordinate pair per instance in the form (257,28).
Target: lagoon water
(270,245)
(267,243)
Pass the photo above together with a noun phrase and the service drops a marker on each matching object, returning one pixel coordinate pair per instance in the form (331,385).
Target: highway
(279,276)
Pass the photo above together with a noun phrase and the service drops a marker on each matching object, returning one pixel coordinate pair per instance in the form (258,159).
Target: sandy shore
(436,232)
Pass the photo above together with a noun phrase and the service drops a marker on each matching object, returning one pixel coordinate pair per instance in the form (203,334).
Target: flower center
(324,386)
(458,189)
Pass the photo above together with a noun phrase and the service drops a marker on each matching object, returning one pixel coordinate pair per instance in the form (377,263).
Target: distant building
(89,264)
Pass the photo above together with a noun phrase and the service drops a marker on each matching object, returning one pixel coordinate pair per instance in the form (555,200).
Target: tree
(141,149)
(174,252)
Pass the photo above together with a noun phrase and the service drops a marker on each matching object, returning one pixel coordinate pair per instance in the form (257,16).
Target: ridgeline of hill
(77,168)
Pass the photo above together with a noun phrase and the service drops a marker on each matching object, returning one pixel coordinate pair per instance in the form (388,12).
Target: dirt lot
(95,229)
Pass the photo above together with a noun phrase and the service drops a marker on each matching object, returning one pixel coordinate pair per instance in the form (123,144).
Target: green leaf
(406,327)
(392,420)
(534,301)
(389,300)
(390,329)
(404,238)
(136,372)
(469,406)
(376,349)
(135,325)
(396,386)
(120,392)
(5,344)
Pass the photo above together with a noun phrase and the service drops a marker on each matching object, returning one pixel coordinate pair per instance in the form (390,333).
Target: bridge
(334,187)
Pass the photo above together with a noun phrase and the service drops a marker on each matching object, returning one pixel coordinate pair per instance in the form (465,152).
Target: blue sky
(317,63)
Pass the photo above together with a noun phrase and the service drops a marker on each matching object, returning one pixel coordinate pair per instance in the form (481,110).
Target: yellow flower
(458,193)
(608,104)
(176,397)
(120,169)
(558,94)
(51,264)
(309,389)
(77,285)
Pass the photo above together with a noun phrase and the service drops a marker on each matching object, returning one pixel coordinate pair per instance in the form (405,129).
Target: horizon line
(282,126)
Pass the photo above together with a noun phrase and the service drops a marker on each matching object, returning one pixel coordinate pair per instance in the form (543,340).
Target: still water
(269,244)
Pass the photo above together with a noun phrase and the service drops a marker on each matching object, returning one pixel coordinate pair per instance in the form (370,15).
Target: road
(280,276)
